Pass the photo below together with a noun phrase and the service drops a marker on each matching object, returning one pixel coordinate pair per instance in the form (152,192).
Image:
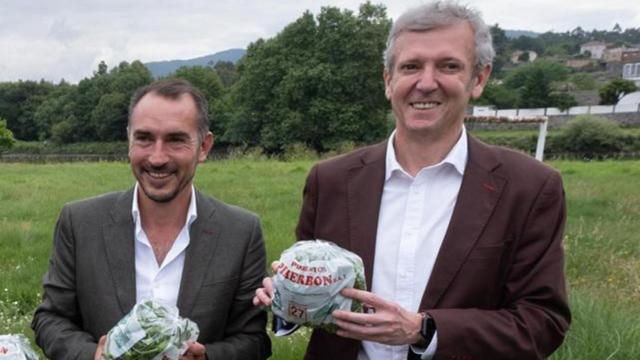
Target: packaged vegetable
(151,331)
(308,282)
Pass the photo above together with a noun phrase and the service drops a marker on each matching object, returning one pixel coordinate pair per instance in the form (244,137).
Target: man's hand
(390,323)
(264,295)
(100,349)
(195,351)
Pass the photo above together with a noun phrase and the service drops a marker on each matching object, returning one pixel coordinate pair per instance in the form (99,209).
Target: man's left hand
(390,323)
(195,351)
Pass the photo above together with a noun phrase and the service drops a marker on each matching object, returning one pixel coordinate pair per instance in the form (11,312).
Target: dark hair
(173,89)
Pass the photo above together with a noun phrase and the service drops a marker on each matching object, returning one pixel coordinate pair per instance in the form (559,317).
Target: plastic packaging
(16,347)
(309,279)
(151,331)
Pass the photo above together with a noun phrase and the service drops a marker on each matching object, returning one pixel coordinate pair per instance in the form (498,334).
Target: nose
(427,79)
(158,156)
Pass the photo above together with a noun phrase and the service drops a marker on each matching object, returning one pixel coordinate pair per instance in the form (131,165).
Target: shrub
(6,136)
(592,136)
(298,151)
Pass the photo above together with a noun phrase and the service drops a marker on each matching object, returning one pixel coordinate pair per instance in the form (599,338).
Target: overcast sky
(56,39)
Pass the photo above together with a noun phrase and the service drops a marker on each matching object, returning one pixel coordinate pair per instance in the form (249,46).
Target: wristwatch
(428,328)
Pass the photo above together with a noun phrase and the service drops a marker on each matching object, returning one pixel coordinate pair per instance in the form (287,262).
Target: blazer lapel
(203,240)
(364,189)
(479,193)
(118,237)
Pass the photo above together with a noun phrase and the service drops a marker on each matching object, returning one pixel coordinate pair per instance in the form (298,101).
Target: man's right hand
(100,349)
(264,295)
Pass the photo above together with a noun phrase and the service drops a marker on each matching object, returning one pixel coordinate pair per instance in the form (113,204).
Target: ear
(205,147)
(480,81)
(387,84)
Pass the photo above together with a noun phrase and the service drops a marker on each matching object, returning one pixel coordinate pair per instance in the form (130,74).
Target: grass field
(602,242)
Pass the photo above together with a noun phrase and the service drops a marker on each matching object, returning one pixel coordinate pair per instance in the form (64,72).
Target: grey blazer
(90,284)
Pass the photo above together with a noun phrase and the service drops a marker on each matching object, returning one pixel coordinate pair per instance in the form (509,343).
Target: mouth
(158,175)
(424,105)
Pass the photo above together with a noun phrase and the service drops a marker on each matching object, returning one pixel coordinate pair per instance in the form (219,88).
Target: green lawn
(602,243)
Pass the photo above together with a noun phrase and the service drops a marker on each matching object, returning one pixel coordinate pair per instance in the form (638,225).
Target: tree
(207,80)
(18,103)
(533,82)
(55,108)
(500,45)
(583,81)
(204,78)
(499,96)
(110,117)
(6,136)
(524,57)
(527,43)
(95,109)
(226,71)
(614,90)
(318,82)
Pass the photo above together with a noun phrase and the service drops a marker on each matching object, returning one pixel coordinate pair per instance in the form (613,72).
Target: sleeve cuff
(426,353)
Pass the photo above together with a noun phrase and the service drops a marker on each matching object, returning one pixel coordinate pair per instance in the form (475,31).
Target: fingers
(100,348)
(358,331)
(359,318)
(275,265)
(195,351)
(390,324)
(367,298)
(262,298)
(264,295)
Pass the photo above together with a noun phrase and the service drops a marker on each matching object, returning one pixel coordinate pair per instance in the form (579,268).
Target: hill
(163,68)
(512,34)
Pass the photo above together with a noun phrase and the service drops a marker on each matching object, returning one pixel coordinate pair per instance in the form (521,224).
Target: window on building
(631,71)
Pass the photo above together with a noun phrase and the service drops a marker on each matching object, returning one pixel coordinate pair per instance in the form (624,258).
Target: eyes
(449,66)
(144,139)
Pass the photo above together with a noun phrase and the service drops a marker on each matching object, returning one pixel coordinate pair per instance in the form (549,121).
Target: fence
(551,111)
(543,122)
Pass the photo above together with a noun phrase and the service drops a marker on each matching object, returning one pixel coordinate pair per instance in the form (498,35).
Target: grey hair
(441,13)
(173,89)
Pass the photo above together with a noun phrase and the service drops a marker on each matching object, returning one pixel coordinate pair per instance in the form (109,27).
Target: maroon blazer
(497,290)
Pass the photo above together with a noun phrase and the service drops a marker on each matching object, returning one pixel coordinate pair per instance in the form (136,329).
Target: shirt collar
(192,212)
(457,156)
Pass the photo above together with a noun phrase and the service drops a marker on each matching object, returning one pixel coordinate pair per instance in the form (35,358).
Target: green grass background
(602,237)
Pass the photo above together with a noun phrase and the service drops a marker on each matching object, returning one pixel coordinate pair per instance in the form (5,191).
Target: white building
(631,71)
(596,48)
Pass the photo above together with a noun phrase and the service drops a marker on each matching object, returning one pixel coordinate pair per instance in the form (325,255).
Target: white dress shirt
(414,216)
(160,281)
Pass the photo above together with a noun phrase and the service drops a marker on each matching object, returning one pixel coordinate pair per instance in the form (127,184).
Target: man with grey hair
(461,241)
(162,239)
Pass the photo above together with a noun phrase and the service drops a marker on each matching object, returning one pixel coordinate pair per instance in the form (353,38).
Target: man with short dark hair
(461,241)
(160,240)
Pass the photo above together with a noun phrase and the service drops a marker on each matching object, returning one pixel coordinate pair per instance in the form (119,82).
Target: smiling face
(432,80)
(164,148)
